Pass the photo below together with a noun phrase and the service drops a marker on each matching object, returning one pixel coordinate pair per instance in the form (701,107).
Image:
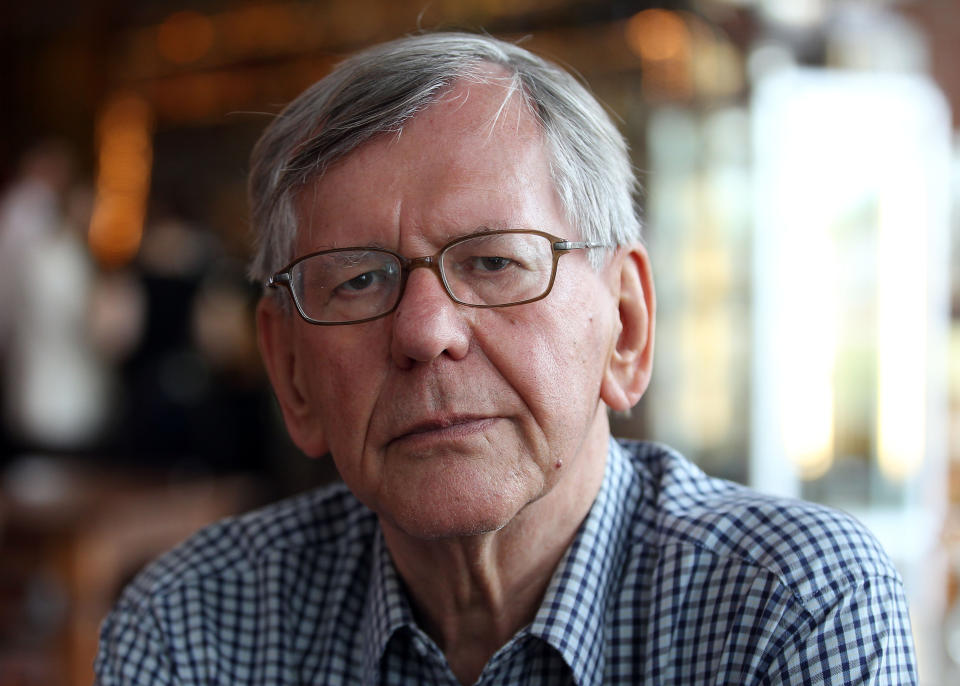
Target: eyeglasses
(488,269)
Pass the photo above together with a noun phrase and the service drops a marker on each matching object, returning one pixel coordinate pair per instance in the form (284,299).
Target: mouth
(448,427)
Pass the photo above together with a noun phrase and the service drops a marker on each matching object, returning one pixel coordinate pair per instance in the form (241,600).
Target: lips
(451,426)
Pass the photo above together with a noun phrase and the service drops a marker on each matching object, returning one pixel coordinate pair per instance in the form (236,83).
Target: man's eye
(491,264)
(362,282)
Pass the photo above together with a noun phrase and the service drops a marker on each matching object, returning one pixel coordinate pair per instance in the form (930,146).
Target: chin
(456,510)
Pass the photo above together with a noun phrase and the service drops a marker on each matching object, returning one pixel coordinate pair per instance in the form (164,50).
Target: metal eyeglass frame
(559,245)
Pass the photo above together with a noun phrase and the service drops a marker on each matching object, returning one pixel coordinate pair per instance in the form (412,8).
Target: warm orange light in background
(125,155)
(658,35)
(683,56)
(664,43)
(185,37)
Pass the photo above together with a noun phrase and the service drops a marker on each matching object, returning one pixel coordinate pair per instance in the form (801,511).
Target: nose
(427,323)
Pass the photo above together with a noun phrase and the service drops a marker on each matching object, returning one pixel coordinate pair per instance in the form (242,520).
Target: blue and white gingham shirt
(673,578)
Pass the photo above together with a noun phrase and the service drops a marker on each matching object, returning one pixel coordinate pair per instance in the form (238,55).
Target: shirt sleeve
(862,637)
(133,651)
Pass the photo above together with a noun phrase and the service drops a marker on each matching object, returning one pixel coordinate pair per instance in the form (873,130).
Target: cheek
(576,334)
(555,362)
(343,382)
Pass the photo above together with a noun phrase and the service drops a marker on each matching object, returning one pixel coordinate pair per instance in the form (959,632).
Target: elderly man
(455,297)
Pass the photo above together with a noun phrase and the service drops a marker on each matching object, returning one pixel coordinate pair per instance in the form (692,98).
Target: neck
(473,594)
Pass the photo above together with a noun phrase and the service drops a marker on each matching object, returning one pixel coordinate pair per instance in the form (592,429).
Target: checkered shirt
(673,578)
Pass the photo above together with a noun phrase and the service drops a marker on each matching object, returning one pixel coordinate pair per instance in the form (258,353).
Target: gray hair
(378,90)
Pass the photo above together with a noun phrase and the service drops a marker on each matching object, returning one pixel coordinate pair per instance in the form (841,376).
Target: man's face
(448,420)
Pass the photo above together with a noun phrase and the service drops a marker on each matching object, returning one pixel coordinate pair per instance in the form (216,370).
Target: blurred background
(800,165)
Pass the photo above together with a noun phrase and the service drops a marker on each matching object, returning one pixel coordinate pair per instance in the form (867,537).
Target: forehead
(473,159)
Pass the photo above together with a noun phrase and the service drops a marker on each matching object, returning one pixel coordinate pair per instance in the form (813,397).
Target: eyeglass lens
(484,270)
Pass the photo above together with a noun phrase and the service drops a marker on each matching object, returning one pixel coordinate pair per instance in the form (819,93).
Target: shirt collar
(572,616)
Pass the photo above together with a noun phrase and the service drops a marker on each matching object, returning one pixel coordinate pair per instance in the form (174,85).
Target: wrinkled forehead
(476,139)
(486,106)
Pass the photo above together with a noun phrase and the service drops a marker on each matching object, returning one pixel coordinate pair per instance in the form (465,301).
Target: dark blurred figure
(194,398)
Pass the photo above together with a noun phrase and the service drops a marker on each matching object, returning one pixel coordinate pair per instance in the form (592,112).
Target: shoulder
(324,522)
(215,607)
(765,589)
(809,548)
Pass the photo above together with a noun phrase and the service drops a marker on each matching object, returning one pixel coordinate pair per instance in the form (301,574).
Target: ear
(276,331)
(630,363)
